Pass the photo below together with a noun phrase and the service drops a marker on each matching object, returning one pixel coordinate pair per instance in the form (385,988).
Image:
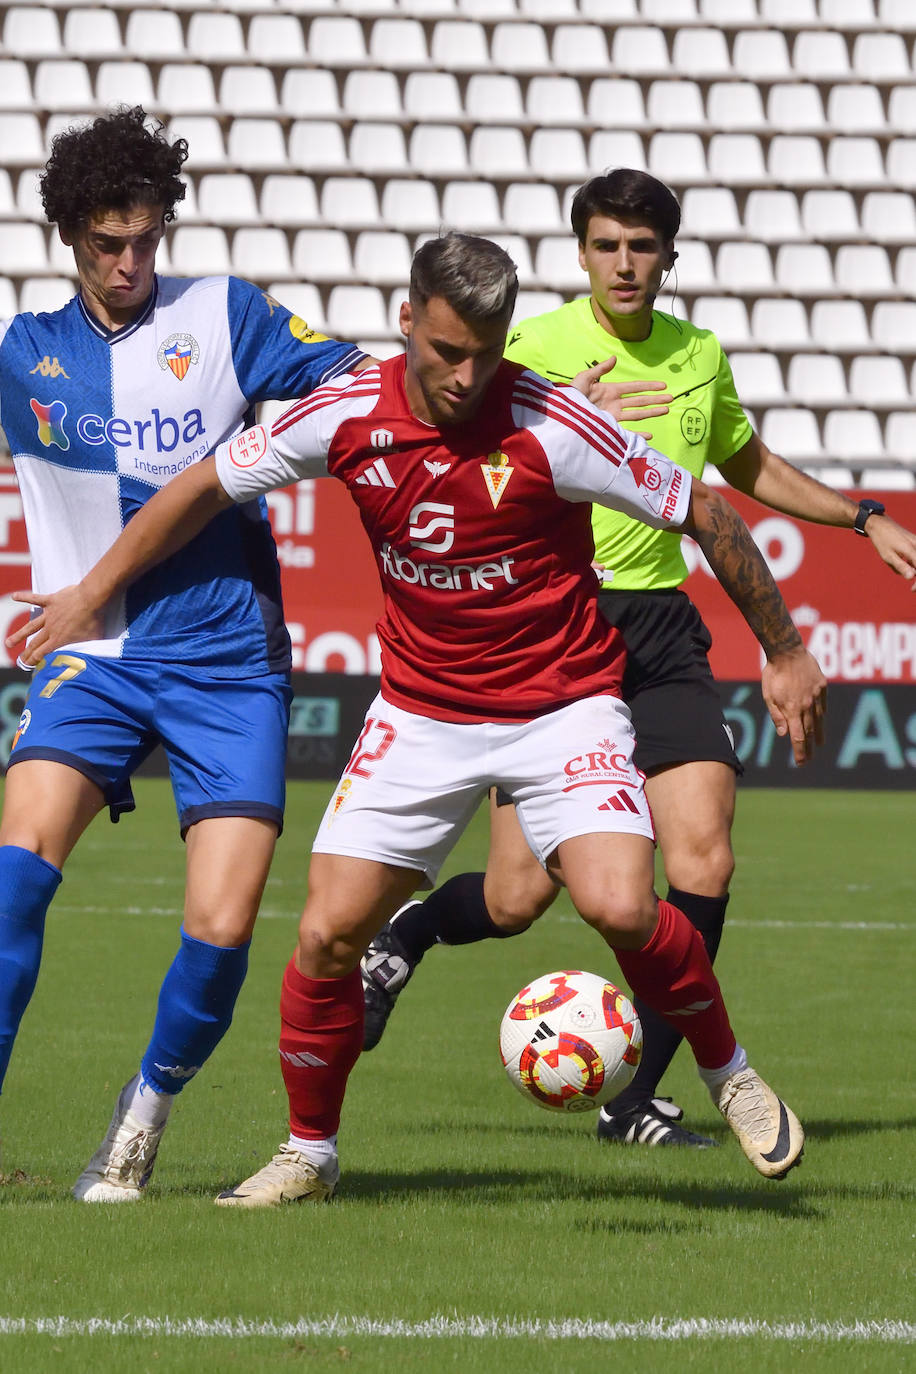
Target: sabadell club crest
(178,352)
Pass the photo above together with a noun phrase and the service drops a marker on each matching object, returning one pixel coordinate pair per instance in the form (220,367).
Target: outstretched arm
(760,473)
(794,688)
(168,521)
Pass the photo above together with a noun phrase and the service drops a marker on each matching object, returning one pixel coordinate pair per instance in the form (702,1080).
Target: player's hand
(795,692)
(628,402)
(65,617)
(896,545)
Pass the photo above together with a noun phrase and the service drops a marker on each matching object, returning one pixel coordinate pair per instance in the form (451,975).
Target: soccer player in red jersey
(474,479)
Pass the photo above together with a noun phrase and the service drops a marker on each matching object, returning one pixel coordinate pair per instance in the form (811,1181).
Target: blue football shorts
(224,738)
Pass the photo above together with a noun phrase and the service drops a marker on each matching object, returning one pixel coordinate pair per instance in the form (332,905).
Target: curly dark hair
(115,162)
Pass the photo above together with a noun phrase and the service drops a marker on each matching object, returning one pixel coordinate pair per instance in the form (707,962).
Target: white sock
(714,1078)
(317,1152)
(150,1108)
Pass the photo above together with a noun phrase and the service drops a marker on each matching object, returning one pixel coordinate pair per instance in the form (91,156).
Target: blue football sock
(27,884)
(196,1003)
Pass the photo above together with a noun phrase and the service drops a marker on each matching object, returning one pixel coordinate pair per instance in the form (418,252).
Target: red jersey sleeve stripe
(319,400)
(600,437)
(560,401)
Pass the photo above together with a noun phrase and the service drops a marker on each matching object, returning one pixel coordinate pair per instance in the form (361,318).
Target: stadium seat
(8,202)
(840,326)
(519,47)
(317,145)
(804,269)
(791,432)
(847,14)
(795,107)
(701,52)
(820,56)
(857,161)
(758,379)
(710,212)
(556,264)
(863,269)
(357,312)
(669,12)
(678,158)
(675,105)
(761,55)
(579,48)
(256,144)
(853,434)
(855,109)
(517,248)
(92,33)
(640,50)
(382,257)
(901,162)
(289,199)
(889,217)
(897,14)
(205,140)
(32,31)
(155,34)
(399,44)
(745,268)
(214,37)
(816,379)
(532,208)
(788,13)
(893,326)
(901,110)
(830,215)
(322,255)
(733,106)
(876,381)
(21,140)
(904,271)
(378,148)
(187,88)
(780,324)
(727,317)
(372,95)
(276,39)
(880,57)
(22,249)
(459,45)
(471,206)
(410,204)
(337,41)
(530,303)
(608,11)
(303,299)
(15,86)
(38,294)
(900,435)
(729,11)
(554,100)
(616,101)
(349,201)
(121,83)
(498,153)
(737,160)
(436,95)
(199,251)
(261,253)
(438,150)
(63,85)
(558,154)
(797,160)
(549,9)
(309,94)
(693,270)
(227,198)
(249,90)
(28,196)
(490,98)
(773,216)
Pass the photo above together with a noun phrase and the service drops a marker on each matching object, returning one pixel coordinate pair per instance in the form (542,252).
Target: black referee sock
(659,1040)
(455,914)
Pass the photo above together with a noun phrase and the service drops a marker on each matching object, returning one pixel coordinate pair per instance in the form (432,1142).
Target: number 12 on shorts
(375,740)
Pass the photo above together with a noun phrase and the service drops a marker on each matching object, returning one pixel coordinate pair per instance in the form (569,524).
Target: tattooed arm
(794,688)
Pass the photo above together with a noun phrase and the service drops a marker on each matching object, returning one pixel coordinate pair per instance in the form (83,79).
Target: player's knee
(327,948)
(625,918)
(225,929)
(515,909)
(704,868)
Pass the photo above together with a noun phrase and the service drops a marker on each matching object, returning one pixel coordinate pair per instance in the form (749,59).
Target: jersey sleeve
(524,346)
(275,354)
(730,427)
(591,458)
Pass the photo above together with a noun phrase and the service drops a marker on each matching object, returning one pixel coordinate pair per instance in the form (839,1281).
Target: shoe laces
(744,1101)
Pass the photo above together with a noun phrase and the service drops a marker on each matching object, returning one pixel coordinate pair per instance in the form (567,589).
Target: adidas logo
(303,1060)
(543,1032)
(621,801)
(376,475)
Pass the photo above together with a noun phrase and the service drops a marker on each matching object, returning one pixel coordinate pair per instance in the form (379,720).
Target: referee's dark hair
(626,194)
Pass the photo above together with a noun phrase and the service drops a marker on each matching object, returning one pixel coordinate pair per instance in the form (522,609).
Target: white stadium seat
(22,249)
(63,85)
(904,270)
(558,154)
(900,435)
(745,268)
(816,379)
(336,41)
(205,140)
(227,198)
(758,379)
(378,148)
(303,299)
(877,381)
(729,11)
(737,160)
(761,55)
(32,31)
(372,95)
(880,57)
(213,37)
(863,269)
(856,161)
(309,94)
(840,326)
(796,107)
(773,216)
(398,43)
(28,196)
(92,33)
(804,269)
(382,257)
(261,253)
(710,212)
(901,162)
(616,100)
(797,160)
(901,110)
(556,264)
(830,215)
(555,100)
(490,98)
(855,109)
(357,312)
(670,11)
(893,326)
(199,251)
(317,145)
(21,140)
(678,158)
(675,105)
(780,324)
(694,269)
(45,293)
(248,90)
(853,434)
(727,317)
(791,432)
(8,203)
(276,39)
(289,199)
(154,34)
(187,88)
(580,48)
(788,13)
(820,56)
(322,255)
(498,153)
(436,95)
(471,206)
(122,83)
(733,106)
(520,48)
(410,204)
(889,217)
(847,14)
(256,144)
(438,150)
(701,52)
(349,201)
(640,50)
(460,45)
(15,85)
(533,208)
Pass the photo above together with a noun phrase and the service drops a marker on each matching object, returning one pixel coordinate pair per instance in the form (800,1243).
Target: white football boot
(768,1132)
(120,1168)
(289,1177)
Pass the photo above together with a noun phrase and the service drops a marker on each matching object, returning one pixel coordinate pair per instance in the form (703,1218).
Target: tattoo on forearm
(740,567)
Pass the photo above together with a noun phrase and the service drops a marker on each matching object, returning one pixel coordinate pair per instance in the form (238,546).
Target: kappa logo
(429,519)
(436,469)
(376,475)
(177,354)
(49,367)
(178,1071)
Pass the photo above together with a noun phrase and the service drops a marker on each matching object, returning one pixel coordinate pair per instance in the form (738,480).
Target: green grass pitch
(473,1231)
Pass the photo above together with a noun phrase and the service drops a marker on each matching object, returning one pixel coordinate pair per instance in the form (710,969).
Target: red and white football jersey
(481,531)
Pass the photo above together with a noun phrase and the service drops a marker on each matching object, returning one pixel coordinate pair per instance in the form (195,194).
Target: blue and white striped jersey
(98,421)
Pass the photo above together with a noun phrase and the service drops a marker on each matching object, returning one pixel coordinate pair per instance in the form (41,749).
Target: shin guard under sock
(321,1036)
(27,884)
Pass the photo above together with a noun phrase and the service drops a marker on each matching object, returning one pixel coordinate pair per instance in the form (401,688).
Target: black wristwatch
(866,508)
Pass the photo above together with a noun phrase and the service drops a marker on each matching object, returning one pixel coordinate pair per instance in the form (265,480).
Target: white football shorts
(412,784)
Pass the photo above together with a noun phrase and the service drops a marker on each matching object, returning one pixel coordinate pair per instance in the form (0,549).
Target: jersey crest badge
(496,473)
(177,353)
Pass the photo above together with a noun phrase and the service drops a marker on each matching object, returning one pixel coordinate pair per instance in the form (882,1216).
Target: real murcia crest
(496,473)
(436,469)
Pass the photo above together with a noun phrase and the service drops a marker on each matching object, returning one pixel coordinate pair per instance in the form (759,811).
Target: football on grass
(570,1041)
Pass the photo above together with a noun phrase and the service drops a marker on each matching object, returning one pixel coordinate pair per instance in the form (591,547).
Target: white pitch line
(486,1328)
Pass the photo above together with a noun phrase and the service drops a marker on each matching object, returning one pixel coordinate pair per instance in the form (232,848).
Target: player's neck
(110,318)
(629,328)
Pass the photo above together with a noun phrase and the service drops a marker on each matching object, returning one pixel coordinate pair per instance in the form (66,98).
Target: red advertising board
(858,618)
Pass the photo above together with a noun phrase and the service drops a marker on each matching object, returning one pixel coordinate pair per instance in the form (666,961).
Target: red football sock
(673,975)
(321,1035)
